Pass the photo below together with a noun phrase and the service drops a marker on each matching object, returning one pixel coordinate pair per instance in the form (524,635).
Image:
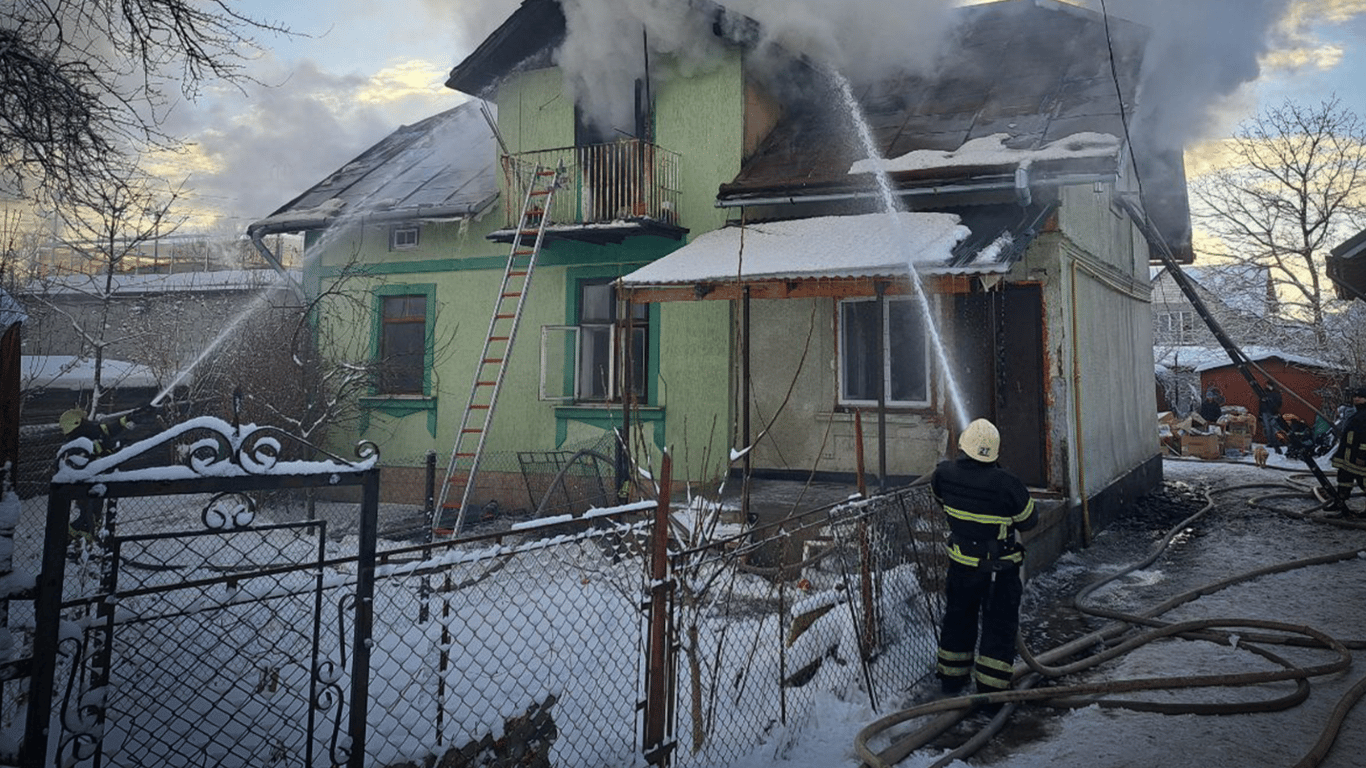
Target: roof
(440,167)
(11,311)
(67,372)
(1028,75)
(984,241)
(222,280)
(1206,358)
(1347,267)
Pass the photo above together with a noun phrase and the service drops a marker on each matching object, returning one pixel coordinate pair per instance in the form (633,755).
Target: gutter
(1019,183)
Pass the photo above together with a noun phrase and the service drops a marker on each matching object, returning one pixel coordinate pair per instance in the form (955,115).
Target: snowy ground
(1235,537)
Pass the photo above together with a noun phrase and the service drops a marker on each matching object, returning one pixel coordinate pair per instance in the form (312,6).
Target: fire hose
(1034,669)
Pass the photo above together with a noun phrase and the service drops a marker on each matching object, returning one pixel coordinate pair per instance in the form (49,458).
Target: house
(720,275)
(1347,267)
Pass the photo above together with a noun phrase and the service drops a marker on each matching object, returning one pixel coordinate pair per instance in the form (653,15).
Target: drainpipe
(1076,416)
(882,387)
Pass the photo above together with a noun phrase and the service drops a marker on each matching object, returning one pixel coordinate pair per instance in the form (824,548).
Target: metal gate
(184,632)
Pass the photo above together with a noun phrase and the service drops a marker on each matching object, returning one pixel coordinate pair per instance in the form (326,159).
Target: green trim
(606,418)
(398,406)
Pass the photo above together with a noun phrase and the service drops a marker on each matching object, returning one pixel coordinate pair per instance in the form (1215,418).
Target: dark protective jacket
(985,505)
(1270,402)
(1351,452)
(103,435)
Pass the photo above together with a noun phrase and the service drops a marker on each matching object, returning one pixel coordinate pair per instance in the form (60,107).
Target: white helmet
(981,441)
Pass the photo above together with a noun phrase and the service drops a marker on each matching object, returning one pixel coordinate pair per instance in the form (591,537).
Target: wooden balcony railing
(604,183)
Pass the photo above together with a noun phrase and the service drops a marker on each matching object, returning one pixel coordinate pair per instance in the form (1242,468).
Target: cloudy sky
(355,70)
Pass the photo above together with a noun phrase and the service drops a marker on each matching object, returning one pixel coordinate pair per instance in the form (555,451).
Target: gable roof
(1347,267)
(439,168)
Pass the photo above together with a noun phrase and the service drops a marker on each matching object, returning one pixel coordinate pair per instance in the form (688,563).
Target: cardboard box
(1206,446)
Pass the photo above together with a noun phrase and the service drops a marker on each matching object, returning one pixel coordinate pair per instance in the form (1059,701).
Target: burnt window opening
(902,372)
(402,345)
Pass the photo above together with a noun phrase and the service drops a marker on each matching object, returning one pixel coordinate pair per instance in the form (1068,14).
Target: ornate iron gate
(230,644)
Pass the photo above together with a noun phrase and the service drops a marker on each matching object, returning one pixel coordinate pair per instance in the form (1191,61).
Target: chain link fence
(522,645)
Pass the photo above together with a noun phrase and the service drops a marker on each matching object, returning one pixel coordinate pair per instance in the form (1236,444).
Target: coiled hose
(1034,669)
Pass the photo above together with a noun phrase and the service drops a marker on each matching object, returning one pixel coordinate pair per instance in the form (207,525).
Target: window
(402,344)
(1177,327)
(402,238)
(902,373)
(584,362)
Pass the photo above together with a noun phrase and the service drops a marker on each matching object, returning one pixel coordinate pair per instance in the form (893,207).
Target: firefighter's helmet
(70,419)
(981,441)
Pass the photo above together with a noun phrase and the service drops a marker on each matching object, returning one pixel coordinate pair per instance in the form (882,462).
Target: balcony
(609,192)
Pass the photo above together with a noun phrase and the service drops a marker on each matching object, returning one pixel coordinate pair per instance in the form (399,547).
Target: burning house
(765,267)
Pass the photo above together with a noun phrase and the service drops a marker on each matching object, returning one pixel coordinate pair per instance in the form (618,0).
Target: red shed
(1319,383)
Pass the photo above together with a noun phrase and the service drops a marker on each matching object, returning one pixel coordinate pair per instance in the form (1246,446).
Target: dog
(1259,456)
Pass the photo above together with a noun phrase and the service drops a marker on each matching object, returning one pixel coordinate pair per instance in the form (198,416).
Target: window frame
(398,230)
(887,375)
(377,335)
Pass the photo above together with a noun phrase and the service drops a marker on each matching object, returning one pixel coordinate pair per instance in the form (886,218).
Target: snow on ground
(1234,538)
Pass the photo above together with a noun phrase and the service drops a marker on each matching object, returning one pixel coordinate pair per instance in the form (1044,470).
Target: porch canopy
(841,256)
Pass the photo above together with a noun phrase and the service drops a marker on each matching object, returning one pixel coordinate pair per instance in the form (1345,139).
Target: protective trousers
(995,598)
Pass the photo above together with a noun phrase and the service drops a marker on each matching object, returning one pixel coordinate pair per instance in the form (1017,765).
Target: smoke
(609,42)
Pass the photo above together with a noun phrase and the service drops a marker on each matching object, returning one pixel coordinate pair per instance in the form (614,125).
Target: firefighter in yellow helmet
(986,506)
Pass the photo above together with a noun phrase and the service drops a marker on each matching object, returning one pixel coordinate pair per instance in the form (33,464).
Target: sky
(354,71)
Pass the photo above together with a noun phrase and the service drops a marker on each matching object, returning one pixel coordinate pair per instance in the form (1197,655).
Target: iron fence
(237,629)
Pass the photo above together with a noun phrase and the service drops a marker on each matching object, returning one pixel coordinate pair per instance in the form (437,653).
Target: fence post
(365,605)
(657,682)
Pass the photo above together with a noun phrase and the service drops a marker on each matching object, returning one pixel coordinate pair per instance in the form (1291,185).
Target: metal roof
(11,311)
(440,167)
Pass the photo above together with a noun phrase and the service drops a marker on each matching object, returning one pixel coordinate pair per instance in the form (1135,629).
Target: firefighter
(986,506)
(1350,457)
(104,438)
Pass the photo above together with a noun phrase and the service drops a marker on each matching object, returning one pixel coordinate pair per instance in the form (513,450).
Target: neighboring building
(722,263)
(1317,385)
(1347,268)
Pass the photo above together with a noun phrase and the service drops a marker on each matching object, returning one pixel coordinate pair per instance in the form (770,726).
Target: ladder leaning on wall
(477,418)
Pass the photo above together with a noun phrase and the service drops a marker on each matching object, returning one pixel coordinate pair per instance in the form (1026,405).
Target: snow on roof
(176,282)
(992,150)
(824,246)
(1205,358)
(68,372)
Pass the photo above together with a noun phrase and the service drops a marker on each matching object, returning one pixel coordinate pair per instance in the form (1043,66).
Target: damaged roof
(440,167)
(1029,73)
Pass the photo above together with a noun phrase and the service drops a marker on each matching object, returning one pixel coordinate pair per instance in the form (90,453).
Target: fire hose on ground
(1034,669)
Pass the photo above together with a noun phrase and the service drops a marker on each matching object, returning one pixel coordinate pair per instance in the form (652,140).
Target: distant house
(720,276)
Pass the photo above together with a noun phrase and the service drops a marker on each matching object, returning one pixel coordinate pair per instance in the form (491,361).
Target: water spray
(892,207)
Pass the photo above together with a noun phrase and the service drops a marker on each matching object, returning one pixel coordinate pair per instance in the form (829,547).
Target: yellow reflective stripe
(1028,510)
(957,556)
(991,680)
(973,517)
(953,671)
(987,661)
(954,655)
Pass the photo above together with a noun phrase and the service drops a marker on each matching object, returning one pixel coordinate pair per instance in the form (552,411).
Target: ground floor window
(902,372)
(586,362)
(402,344)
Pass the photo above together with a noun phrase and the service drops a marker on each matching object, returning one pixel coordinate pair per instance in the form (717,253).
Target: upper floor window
(402,238)
(402,347)
(903,370)
(1176,327)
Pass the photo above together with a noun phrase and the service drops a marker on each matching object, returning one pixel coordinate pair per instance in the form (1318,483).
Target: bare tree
(82,82)
(1293,190)
(106,226)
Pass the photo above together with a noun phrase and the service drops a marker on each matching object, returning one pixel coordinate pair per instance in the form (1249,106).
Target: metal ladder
(492,365)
